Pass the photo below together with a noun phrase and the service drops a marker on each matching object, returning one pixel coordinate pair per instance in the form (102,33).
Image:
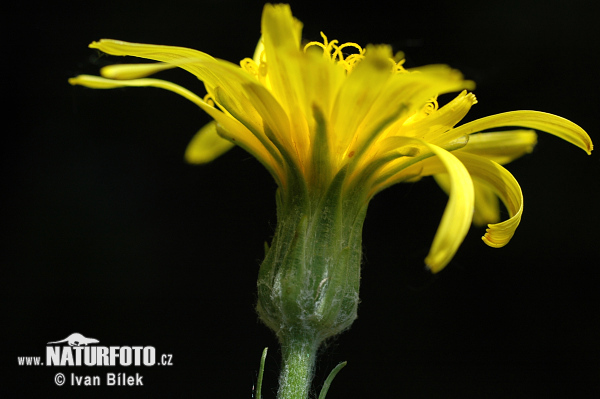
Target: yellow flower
(311,113)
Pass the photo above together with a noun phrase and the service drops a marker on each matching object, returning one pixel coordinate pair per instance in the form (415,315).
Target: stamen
(338,51)
(333,52)
(399,63)
(209,100)
(310,44)
(325,46)
(250,66)
(431,106)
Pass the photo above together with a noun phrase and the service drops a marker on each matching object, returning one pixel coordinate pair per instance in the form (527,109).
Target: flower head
(326,114)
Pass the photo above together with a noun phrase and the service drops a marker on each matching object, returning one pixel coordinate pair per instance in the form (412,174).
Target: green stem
(299,352)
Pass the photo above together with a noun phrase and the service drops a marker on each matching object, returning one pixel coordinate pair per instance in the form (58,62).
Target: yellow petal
(281,34)
(432,127)
(133,71)
(211,71)
(357,94)
(457,215)
(206,145)
(408,93)
(459,209)
(272,113)
(97,82)
(506,187)
(501,147)
(280,29)
(260,47)
(217,75)
(321,81)
(400,159)
(275,124)
(495,177)
(543,121)
(168,54)
(281,37)
(487,206)
(233,130)
(223,80)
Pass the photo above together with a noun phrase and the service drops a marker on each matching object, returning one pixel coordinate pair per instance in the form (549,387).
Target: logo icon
(76,339)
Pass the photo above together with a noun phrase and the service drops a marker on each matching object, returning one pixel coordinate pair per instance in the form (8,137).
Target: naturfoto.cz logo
(77,350)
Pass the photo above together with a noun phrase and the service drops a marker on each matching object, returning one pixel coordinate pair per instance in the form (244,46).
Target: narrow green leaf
(261,371)
(330,379)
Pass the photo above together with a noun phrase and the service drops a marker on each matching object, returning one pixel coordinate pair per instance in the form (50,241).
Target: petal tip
(434,265)
(488,239)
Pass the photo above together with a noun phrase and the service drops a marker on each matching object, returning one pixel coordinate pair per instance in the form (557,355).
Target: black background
(107,232)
